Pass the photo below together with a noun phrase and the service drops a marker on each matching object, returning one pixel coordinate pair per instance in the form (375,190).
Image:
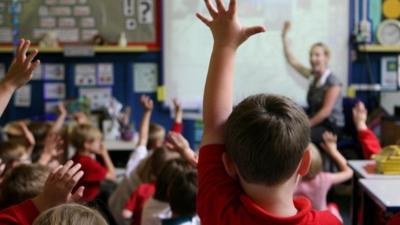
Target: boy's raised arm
(228,35)
(147,105)
(19,73)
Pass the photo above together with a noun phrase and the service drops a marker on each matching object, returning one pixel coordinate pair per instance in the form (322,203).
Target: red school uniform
(137,199)
(22,214)
(94,174)
(369,143)
(222,201)
(395,220)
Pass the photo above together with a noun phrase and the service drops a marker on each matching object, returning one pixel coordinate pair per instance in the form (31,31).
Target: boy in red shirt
(87,141)
(252,157)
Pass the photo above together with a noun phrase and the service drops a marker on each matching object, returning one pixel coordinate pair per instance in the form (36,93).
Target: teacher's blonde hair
(70,214)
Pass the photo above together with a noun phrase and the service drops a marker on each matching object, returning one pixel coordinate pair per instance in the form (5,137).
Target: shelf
(97,49)
(380,48)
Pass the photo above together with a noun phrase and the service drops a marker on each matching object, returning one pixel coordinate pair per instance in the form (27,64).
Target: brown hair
(23,182)
(266,136)
(149,168)
(325,47)
(316,163)
(156,133)
(170,170)
(182,193)
(11,151)
(70,214)
(83,133)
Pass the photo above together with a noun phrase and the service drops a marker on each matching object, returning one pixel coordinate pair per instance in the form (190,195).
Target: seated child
(70,214)
(57,190)
(87,141)
(22,183)
(157,207)
(151,136)
(252,155)
(316,184)
(182,199)
(368,140)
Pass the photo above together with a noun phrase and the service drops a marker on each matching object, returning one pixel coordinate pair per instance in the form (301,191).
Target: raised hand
(176,142)
(20,71)
(286,28)
(147,103)
(225,25)
(330,142)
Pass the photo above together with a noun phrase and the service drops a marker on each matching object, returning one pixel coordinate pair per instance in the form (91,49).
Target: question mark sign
(145,9)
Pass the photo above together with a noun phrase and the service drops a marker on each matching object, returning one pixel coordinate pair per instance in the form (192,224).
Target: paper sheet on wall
(23,96)
(98,97)
(2,71)
(51,107)
(145,77)
(54,72)
(38,73)
(54,91)
(85,75)
(105,74)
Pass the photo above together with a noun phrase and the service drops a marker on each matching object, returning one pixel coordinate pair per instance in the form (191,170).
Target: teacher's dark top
(316,97)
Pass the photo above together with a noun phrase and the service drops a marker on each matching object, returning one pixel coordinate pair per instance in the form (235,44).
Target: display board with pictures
(78,21)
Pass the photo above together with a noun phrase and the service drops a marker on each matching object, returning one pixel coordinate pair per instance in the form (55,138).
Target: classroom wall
(122,88)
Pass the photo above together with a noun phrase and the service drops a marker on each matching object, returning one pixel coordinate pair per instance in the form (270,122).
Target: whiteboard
(260,65)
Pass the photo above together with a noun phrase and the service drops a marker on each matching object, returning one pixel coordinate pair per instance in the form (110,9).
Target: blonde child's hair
(84,133)
(316,163)
(156,133)
(70,214)
(11,151)
(324,47)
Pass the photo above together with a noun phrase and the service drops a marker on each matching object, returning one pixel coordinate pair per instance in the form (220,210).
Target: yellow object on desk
(388,161)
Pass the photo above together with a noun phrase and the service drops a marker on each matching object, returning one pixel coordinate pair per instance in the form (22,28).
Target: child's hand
(20,71)
(81,118)
(176,142)
(27,133)
(58,187)
(286,28)
(225,26)
(330,142)
(52,147)
(61,109)
(360,116)
(177,105)
(127,214)
(147,103)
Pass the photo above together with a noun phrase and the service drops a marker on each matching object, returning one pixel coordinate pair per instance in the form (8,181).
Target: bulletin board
(77,21)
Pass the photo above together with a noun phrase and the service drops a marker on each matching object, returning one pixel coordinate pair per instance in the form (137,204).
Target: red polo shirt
(22,214)
(137,199)
(94,174)
(222,201)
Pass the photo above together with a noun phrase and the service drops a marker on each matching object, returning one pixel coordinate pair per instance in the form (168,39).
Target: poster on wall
(23,96)
(54,91)
(105,74)
(98,97)
(38,73)
(54,72)
(145,77)
(389,77)
(85,75)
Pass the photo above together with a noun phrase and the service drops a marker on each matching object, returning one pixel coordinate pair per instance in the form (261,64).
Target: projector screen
(260,65)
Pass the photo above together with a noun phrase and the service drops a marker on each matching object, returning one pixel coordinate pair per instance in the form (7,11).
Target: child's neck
(278,201)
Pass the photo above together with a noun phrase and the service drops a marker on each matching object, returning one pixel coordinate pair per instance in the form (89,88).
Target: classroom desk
(383,193)
(363,169)
(120,151)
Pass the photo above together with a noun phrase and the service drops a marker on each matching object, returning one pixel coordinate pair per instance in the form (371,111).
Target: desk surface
(120,145)
(385,192)
(366,169)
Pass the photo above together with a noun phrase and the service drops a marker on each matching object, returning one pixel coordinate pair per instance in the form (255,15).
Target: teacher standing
(324,95)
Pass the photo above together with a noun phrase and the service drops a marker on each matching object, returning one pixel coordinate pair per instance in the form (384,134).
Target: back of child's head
(70,214)
(266,136)
(83,133)
(156,136)
(316,163)
(150,167)
(170,170)
(182,193)
(12,153)
(39,130)
(23,182)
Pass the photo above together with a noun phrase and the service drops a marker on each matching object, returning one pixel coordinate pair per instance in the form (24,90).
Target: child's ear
(305,163)
(229,165)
